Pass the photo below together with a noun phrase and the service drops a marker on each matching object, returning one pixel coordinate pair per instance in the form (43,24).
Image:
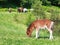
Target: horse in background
(20,9)
(10,10)
(40,24)
(25,10)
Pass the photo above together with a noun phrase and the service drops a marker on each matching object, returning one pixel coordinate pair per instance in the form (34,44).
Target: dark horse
(20,9)
(40,24)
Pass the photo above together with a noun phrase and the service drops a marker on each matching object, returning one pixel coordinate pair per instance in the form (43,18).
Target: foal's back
(42,22)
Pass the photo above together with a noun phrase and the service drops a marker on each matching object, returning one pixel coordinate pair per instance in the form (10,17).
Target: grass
(14,33)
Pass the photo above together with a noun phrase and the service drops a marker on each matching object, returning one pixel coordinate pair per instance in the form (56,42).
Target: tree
(54,14)
(26,3)
(38,10)
(55,2)
(46,2)
(3,0)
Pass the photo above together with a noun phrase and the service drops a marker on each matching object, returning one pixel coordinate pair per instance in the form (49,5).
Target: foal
(40,24)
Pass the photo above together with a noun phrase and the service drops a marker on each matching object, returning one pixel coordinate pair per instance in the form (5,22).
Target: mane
(30,26)
(30,29)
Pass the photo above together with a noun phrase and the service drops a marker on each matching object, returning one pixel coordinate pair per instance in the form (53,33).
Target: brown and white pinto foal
(40,24)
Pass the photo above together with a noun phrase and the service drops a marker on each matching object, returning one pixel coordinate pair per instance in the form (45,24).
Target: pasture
(13,30)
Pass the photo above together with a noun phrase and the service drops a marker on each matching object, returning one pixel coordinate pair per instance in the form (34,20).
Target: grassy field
(13,32)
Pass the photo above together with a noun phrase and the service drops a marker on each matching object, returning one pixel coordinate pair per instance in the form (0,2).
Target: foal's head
(28,32)
(30,29)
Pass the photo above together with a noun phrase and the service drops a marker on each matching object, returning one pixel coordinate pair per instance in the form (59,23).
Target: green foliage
(46,2)
(55,2)
(27,3)
(3,0)
(51,2)
(39,12)
(54,13)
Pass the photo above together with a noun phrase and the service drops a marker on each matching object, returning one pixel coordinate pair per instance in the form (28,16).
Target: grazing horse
(20,9)
(40,24)
(25,10)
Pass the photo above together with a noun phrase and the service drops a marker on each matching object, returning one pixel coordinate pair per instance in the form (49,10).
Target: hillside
(13,29)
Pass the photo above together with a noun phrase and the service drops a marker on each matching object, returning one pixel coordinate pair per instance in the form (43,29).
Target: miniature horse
(40,24)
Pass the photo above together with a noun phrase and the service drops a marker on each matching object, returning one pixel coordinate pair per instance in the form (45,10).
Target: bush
(46,2)
(55,13)
(39,12)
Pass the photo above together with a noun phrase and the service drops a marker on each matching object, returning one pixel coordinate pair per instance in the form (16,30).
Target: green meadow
(13,30)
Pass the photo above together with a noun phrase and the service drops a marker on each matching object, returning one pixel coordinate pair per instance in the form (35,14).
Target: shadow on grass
(43,37)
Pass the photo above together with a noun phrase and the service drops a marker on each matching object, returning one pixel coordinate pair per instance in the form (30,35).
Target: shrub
(39,12)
